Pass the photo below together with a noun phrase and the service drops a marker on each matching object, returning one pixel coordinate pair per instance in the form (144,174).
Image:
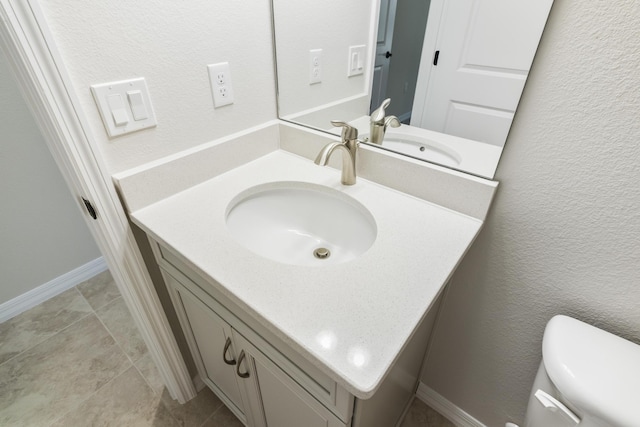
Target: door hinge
(90,209)
(435,57)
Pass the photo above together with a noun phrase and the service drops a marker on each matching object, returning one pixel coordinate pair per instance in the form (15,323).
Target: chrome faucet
(348,145)
(379,123)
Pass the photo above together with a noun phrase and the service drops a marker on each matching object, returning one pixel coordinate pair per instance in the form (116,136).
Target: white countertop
(351,319)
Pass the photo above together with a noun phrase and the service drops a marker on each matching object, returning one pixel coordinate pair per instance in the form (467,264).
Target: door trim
(46,87)
(429,46)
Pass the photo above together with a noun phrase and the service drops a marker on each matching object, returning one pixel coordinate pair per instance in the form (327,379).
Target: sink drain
(321,253)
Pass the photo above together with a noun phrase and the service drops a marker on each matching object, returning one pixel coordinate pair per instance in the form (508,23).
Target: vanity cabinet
(257,390)
(259,383)
(261,378)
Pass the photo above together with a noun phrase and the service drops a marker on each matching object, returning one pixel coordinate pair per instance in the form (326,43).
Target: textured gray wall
(564,231)
(42,234)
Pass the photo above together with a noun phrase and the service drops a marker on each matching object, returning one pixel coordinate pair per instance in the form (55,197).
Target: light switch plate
(357,60)
(118,113)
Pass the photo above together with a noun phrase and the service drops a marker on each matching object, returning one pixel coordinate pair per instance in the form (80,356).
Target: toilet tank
(588,373)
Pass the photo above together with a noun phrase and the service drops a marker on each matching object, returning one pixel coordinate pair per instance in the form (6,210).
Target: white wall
(332,26)
(42,233)
(563,235)
(169,43)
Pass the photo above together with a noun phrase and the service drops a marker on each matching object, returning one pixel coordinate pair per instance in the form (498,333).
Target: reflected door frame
(429,46)
(384,42)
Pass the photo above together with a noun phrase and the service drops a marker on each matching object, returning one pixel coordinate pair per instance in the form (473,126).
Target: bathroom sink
(301,224)
(406,142)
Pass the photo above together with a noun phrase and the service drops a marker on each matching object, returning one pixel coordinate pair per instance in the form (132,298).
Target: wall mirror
(454,71)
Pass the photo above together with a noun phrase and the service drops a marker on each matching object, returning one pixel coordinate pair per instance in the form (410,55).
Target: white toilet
(587,378)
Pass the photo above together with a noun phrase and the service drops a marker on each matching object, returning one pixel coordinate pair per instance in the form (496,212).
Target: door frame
(43,80)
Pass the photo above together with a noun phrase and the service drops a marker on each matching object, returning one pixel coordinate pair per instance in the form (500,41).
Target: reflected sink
(405,142)
(301,224)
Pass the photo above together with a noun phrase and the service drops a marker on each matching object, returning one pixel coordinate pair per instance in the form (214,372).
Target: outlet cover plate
(221,85)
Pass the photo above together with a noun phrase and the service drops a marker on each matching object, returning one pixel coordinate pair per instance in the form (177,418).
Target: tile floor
(78,360)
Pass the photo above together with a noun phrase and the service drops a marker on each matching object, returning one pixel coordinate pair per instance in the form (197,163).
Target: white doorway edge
(43,80)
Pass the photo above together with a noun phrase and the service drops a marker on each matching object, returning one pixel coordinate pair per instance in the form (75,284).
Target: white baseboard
(450,411)
(50,289)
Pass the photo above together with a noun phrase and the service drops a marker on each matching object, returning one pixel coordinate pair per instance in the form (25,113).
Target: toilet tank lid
(594,370)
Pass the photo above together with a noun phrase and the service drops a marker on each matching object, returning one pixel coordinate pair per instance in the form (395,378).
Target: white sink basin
(301,224)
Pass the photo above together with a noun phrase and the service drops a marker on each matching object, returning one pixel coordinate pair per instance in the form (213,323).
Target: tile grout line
(145,378)
(115,340)
(51,336)
(159,395)
(93,312)
(118,375)
(212,415)
(133,364)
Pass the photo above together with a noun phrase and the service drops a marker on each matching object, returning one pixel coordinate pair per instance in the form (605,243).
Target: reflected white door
(383,52)
(485,50)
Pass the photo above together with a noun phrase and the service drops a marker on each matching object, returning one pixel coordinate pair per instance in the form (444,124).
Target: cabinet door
(280,401)
(210,339)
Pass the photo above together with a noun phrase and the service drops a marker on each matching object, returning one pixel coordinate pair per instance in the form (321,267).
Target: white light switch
(357,57)
(124,106)
(118,113)
(136,102)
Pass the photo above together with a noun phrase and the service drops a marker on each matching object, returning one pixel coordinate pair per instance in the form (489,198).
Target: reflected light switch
(136,101)
(118,113)
(357,56)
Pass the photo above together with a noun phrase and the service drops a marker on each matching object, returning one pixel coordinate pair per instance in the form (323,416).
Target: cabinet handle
(240,359)
(227,344)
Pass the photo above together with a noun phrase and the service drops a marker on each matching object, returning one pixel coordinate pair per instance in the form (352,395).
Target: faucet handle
(348,132)
(379,113)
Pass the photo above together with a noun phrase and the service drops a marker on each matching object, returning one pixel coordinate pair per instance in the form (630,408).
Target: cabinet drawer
(301,371)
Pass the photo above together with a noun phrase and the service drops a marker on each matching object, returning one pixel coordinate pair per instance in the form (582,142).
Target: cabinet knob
(227,344)
(240,359)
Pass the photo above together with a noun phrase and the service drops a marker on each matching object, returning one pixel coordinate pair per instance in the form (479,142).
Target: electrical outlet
(221,86)
(315,66)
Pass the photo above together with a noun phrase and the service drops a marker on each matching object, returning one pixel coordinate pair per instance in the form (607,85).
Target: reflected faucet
(379,123)
(348,145)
